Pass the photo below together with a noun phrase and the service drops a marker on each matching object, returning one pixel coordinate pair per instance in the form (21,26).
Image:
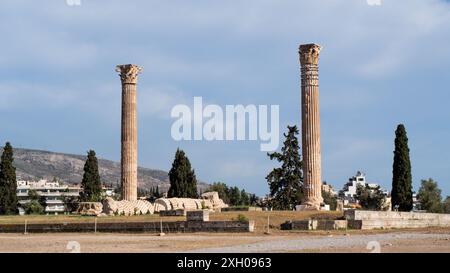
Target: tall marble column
(309,60)
(128,75)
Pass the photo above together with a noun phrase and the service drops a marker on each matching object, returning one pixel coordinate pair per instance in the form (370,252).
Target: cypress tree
(157,194)
(91,184)
(285,183)
(8,182)
(401,172)
(183,182)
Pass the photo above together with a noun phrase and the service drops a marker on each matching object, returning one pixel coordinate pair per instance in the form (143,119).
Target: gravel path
(365,243)
(394,241)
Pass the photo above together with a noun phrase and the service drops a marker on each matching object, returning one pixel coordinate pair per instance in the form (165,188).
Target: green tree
(429,196)
(70,203)
(33,206)
(446,205)
(154,194)
(143,192)
(285,183)
(245,198)
(235,196)
(91,184)
(118,191)
(253,199)
(157,193)
(401,172)
(369,198)
(8,182)
(329,199)
(223,191)
(183,182)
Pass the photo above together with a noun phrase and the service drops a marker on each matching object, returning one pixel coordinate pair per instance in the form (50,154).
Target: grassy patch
(276,218)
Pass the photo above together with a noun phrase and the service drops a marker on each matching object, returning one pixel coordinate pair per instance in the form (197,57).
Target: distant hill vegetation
(36,164)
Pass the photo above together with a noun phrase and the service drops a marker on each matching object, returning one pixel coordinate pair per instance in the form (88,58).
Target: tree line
(183,184)
(233,195)
(286,182)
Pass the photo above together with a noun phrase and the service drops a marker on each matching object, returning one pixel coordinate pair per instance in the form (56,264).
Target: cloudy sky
(380,66)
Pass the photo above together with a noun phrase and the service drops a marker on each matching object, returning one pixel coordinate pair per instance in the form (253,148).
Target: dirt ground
(411,240)
(430,240)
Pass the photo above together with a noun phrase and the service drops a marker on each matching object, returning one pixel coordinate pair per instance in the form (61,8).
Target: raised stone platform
(360,219)
(198,215)
(134,227)
(314,225)
(175,212)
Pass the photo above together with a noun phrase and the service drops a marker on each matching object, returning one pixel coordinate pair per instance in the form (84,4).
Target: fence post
(268,225)
(161,229)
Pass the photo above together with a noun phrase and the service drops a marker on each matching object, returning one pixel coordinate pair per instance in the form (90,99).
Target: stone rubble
(209,200)
(124,207)
(89,208)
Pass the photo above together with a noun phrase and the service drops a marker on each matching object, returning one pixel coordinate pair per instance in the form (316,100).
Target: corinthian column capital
(309,54)
(128,72)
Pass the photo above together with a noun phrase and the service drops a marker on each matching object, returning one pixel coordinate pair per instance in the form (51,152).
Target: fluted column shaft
(309,56)
(128,75)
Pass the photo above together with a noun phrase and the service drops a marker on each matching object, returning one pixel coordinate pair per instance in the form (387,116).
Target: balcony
(55,209)
(54,201)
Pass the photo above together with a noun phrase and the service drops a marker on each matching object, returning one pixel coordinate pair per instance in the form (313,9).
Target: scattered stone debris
(89,208)
(124,207)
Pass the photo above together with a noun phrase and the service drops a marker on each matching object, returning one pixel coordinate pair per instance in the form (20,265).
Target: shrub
(33,207)
(242,218)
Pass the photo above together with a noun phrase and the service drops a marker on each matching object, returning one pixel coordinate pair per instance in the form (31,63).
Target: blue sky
(380,66)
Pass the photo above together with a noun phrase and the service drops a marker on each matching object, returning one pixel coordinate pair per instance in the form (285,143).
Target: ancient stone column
(128,75)
(309,59)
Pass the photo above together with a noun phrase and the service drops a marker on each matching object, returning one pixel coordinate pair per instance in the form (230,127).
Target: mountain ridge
(34,164)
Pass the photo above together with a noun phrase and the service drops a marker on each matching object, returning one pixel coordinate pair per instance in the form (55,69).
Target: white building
(349,190)
(53,193)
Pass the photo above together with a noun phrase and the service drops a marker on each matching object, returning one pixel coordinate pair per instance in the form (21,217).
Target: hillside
(36,164)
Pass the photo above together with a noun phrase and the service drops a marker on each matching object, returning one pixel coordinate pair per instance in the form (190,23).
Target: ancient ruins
(129,75)
(125,207)
(208,201)
(312,180)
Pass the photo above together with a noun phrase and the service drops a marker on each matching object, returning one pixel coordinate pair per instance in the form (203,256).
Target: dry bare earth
(398,241)
(418,240)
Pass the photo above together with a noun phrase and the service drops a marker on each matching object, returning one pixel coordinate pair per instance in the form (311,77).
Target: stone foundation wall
(360,219)
(199,215)
(314,225)
(168,227)
(176,212)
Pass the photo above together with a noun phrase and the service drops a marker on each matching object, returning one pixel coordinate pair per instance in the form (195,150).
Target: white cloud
(158,101)
(239,168)
(375,42)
